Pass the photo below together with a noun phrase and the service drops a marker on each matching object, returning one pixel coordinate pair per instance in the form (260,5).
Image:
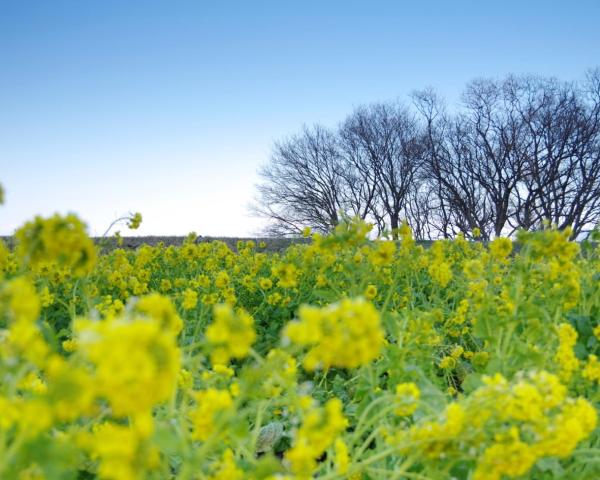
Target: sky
(170,107)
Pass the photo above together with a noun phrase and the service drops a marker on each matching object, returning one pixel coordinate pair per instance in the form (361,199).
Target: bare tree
(360,180)
(517,153)
(303,184)
(562,181)
(451,170)
(520,152)
(384,144)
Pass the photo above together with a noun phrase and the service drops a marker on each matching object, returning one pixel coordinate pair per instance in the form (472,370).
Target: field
(338,358)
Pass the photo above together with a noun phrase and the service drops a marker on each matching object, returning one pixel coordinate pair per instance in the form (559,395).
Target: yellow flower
(22,306)
(46,298)
(383,254)
(488,424)
(33,416)
(56,239)
(274,298)
(320,427)
(265,283)
(447,363)
(33,383)
(512,459)
(342,459)
(69,345)
(552,392)
(20,300)
(71,391)
(457,352)
(185,379)
(226,469)
(161,309)
(231,334)
(591,371)
(565,357)
(408,395)
(455,419)
(223,370)
(287,275)
(345,334)
(222,280)
(120,451)
(576,421)
(165,285)
(473,269)
(190,299)
(135,221)
(501,247)
(371,292)
(525,402)
(210,298)
(211,404)
(440,272)
(136,361)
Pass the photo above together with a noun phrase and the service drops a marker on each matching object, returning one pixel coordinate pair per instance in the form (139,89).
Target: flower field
(345,358)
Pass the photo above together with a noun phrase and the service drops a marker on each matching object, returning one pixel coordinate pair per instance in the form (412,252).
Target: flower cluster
(347,334)
(320,428)
(230,335)
(339,357)
(565,357)
(57,239)
(507,426)
(135,361)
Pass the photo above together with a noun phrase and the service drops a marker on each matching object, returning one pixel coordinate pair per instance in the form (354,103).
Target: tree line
(517,153)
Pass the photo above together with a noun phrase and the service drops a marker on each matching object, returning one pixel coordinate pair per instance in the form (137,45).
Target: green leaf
(268,437)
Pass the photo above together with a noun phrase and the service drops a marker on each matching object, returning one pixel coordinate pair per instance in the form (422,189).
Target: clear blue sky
(169,107)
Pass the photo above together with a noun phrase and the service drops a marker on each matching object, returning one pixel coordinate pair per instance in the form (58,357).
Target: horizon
(109,108)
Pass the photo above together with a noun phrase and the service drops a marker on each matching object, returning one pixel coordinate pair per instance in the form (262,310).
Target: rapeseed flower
(565,357)
(370,292)
(231,334)
(136,361)
(591,371)
(500,248)
(190,299)
(320,428)
(347,334)
(210,405)
(135,221)
(407,397)
(56,239)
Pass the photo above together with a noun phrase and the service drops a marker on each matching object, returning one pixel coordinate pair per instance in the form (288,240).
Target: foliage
(343,358)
